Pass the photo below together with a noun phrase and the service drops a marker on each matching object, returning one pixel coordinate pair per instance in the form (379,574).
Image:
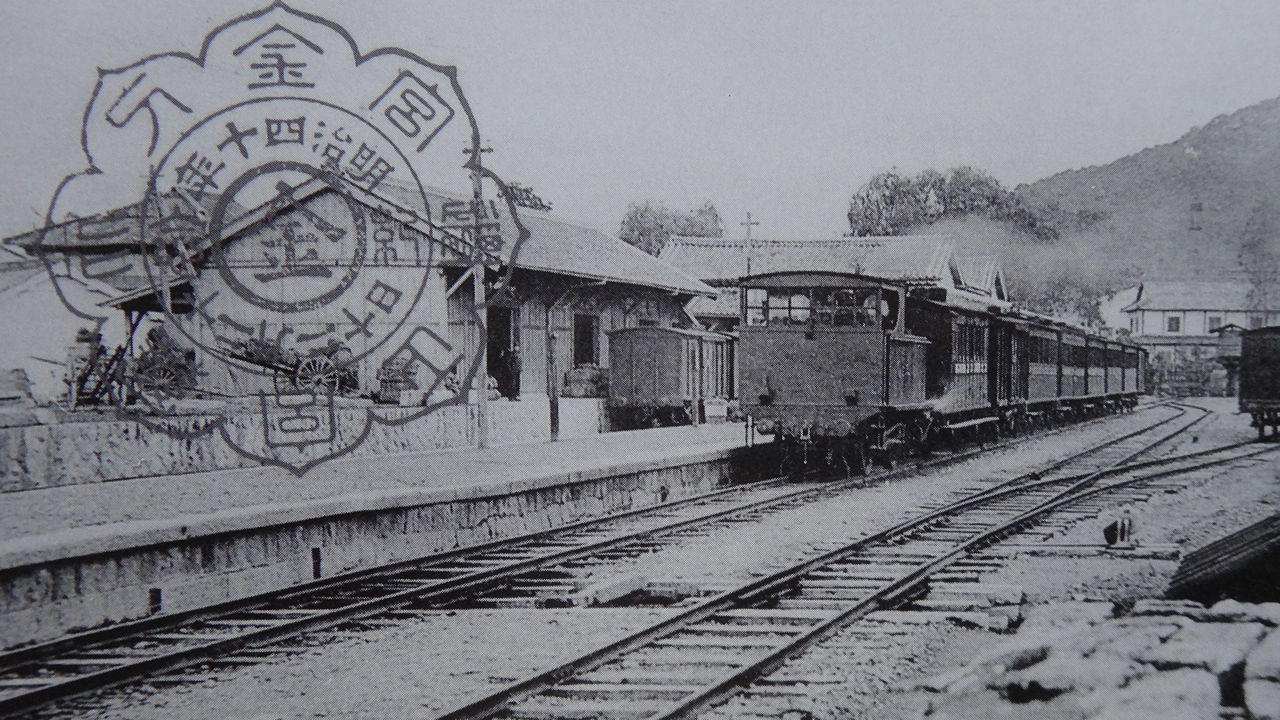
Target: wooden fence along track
(710,651)
(243,631)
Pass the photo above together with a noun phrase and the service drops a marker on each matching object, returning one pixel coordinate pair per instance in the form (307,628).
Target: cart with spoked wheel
(329,369)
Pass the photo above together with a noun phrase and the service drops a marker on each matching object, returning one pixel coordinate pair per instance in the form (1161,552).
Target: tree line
(892,203)
(1046,275)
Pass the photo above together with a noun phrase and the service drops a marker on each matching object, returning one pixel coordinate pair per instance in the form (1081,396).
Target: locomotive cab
(821,355)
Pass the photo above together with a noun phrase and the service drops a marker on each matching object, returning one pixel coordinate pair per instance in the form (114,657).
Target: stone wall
(72,453)
(44,599)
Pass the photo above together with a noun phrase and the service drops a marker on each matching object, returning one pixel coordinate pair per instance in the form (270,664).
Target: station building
(1179,322)
(569,284)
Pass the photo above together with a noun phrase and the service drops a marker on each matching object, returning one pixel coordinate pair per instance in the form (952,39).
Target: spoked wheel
(792,465)
(317,373)
(162,381)
(889,460)
(845,457)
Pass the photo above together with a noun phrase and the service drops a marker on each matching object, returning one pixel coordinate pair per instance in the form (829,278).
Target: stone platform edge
(92,540)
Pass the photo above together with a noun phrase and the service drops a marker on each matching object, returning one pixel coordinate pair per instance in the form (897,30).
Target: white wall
(39,328)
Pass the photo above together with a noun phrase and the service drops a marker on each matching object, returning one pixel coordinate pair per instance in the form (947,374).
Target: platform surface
(43,524)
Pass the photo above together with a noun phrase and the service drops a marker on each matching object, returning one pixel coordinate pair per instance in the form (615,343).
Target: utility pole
(478,295)
(751,248)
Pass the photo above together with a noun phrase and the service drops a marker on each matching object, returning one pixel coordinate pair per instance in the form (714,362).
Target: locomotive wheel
(860,459)
(317,373)
(161,380)
(889,460)
(792,466)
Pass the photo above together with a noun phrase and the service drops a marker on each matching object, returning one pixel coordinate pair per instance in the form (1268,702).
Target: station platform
(81,555)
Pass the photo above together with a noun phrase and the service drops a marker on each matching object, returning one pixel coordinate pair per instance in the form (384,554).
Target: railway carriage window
(823,307)
(799,307)
(813,306)
(757,306)
(857,308)
(779,306)
(889,309)
(1035,349)
(847,298)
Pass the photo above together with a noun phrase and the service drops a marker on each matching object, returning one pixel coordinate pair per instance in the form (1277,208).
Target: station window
(1173,324)
(846,307)
(1255,322)
(586,347)
(1215,322)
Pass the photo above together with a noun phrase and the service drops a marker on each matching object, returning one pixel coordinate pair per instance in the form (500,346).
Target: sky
(780,109)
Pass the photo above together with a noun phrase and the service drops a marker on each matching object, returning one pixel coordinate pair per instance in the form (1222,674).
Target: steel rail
(908,585)
(444,590)
(772,585)
(32,653)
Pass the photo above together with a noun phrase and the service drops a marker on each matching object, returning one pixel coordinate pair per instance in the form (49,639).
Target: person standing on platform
(513,368)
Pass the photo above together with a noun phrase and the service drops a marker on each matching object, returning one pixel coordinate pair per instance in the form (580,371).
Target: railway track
(709,651)
(243,632)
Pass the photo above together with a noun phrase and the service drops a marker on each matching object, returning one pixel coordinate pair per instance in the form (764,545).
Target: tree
(525,197)
(703,222)
(1260,257)
(892,203)
(650,224)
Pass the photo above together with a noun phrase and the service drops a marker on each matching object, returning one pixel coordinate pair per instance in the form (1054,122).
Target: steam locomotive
(846,369)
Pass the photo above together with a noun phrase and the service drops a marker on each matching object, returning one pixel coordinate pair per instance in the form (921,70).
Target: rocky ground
(1161,659)
(421,667)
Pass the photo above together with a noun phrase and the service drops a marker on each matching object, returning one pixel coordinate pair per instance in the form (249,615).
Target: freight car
(847,369)
(1260,378)
(659,376)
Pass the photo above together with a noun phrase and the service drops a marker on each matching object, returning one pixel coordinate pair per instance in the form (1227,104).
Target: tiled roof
(553,246)
(1193,295)
(118,228)
(16,268)
(910,258)
(562,247)
(724,305)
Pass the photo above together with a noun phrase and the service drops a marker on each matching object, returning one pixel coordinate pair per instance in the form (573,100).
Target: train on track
(846,370)
(663,376)
(1260,378)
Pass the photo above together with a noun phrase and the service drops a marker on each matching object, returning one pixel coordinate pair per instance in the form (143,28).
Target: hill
(1177,210)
